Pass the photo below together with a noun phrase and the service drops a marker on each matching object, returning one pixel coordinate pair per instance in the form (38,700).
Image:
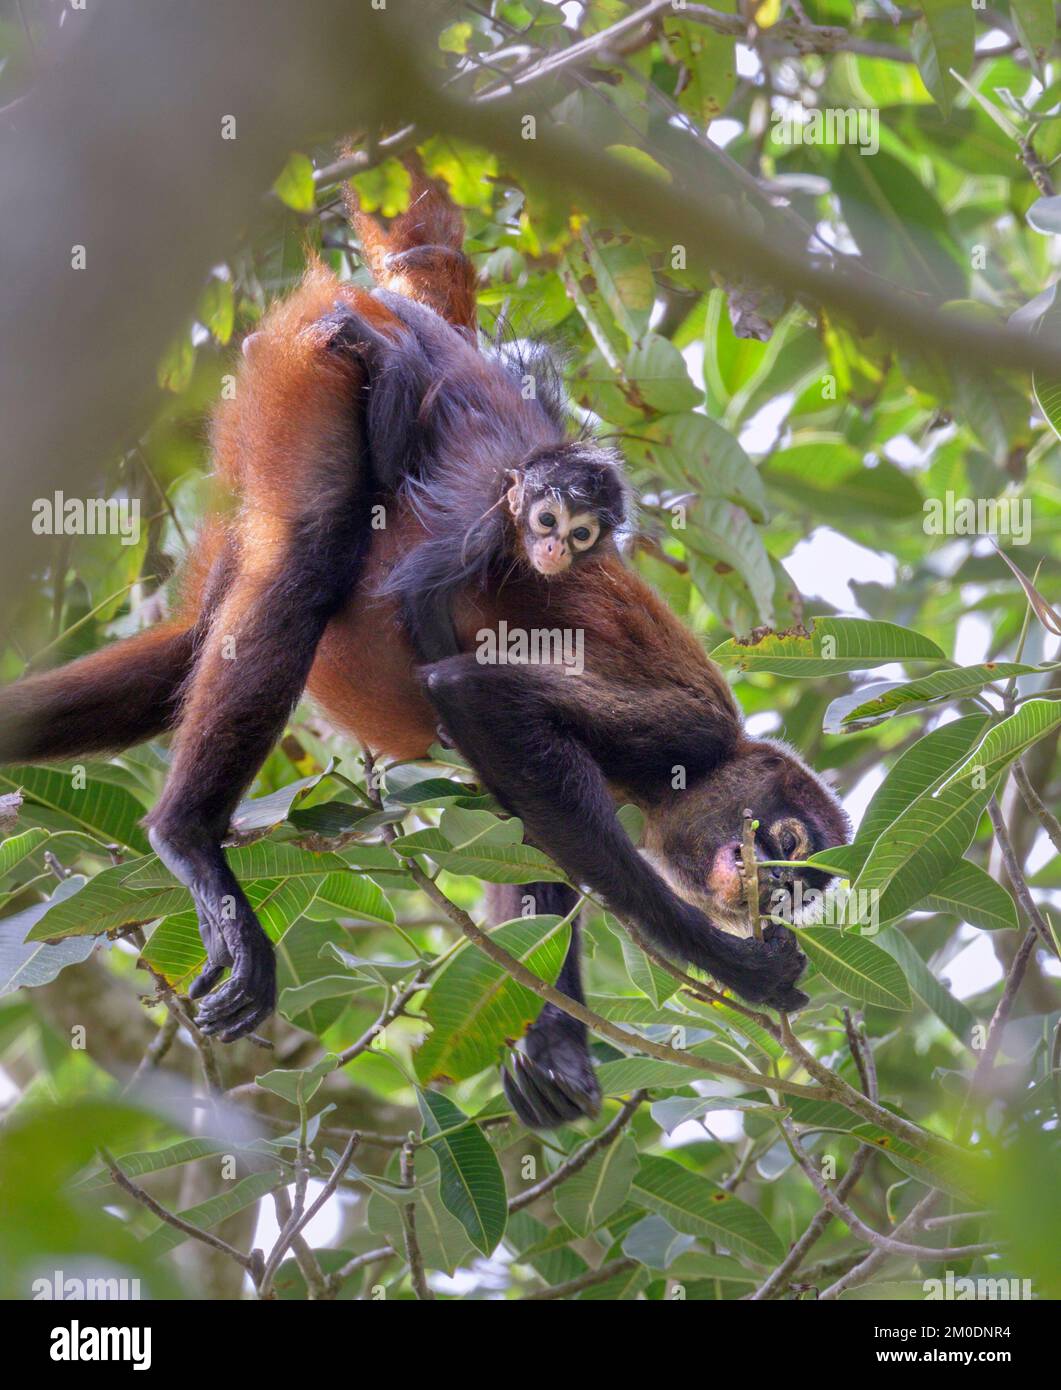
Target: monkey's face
(565,504)
(556,533)
(698,847)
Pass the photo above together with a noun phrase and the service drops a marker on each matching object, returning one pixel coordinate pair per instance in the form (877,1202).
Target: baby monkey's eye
(581,533)
(546,519)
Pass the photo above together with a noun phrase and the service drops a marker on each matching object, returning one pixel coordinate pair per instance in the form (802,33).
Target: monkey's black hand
(553,1081)
(763,972)
(249,994)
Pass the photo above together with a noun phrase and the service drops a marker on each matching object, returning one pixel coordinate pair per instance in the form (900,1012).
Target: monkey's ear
(514,495)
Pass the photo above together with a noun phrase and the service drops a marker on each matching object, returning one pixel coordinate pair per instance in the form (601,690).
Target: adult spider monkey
(293,591)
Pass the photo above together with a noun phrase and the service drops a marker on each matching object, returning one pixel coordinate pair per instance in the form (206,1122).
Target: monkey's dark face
(565,505)
(698,847)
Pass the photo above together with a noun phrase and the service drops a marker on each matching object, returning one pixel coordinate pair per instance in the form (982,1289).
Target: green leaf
(922,765)
(1036,28)
(105,904)
(831,646)
(722,535)
(828,474)
(711,63)
(507,863)
(138,1165)
(25,963)
(954,684)
(265,812)
(653,982)
(950,1011)
(212,1212)
(942,41)
(586,1200)
(385,188)
(698,1207)
(104,810)
(472,1184)
(856,966)
(300,970)
(475,1008)
(923,845)
(1008,740)
(691,450)
(658,373)
(298,1086)
(264,859)
(970,893)
(217,308)
(624,279)
(442,1239)
(897,222)
(349,894)
(19,847)
(295,186)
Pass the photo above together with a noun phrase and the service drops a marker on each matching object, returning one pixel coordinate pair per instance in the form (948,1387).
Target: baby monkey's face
(556,531)
(565,506)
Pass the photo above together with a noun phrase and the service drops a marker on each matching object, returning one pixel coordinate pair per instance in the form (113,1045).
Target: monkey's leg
(545,743)
(252,670)
(552,1081)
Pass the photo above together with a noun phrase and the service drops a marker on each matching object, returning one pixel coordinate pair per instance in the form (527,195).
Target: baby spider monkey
(492,516)
(565,507)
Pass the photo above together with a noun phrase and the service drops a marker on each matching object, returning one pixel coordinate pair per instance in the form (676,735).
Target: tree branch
(580,1157)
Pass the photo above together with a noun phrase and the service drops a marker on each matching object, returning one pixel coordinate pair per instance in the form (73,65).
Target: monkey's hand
(552,1081)
(763,972)
(249,994)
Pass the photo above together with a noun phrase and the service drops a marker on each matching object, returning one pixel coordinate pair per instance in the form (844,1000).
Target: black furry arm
(519,729)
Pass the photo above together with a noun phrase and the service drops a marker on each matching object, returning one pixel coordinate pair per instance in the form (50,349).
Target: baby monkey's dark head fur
(566,502)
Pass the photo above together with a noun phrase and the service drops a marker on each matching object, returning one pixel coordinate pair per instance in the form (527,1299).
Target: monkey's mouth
(551,563)
(778,887)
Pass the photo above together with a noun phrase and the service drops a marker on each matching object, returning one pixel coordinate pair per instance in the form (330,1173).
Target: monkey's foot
(552,1081)
(249,994)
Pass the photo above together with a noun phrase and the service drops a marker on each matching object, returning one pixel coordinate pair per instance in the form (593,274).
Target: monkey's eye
(581,533)
(546,519)
(788,842)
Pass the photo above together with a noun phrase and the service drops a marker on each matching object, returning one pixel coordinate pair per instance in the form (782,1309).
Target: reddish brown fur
(444,280)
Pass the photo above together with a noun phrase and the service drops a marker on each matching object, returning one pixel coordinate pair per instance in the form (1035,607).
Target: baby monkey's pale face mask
(553,533)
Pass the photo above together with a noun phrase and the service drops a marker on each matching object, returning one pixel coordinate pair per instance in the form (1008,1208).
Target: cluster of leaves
(748,424)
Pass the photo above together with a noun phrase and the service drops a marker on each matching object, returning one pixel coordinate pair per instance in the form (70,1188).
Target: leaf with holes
(833,645)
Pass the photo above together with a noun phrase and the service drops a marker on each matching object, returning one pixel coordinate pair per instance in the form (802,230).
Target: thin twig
(855,1223)
(750,873)
(300,1248)
(584,1281)
(160,1044)
(412,1244)
(580,1157)
(336,1280)
(1016,875)
(178,1223)
(300,1215)
(781,1277)
(1036,805)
